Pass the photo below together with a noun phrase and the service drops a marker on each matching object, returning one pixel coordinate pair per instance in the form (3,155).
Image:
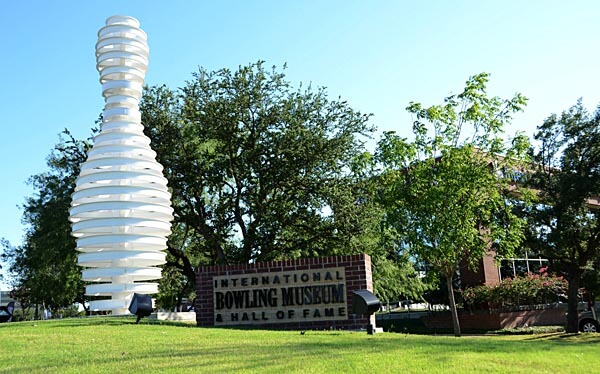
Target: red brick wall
(495,321)
(357,273)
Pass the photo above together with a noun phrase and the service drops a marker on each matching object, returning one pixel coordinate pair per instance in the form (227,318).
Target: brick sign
(280,297)
(306,293)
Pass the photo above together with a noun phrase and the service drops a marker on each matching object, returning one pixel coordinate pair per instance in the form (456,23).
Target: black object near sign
(364,302)
(141,306)
(6,312)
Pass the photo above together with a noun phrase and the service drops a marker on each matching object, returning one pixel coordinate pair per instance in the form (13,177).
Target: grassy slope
(118,345)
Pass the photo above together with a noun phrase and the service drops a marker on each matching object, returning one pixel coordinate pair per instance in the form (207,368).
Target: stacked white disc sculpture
(121,208)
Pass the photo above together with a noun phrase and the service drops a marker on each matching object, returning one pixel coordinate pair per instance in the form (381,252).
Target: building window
(512,267)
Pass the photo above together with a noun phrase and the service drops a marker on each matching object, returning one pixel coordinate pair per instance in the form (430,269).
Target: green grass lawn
(119,345)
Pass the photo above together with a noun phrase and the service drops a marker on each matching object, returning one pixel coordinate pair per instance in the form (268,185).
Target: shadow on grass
(96,321)
(243,349)
(570,338)
(237,353)
(91,321)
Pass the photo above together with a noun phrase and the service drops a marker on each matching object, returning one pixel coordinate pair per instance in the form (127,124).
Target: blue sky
(377,55)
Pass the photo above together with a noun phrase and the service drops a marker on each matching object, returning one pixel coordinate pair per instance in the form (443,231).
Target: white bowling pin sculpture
(121,210)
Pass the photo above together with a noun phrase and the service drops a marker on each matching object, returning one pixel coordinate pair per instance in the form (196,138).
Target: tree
(394,273)
(259,171)
(590,280)
(443,191)
(44,267)
(565,223)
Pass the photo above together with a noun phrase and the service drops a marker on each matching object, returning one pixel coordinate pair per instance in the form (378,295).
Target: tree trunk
(179,301)
(186,266)
(453,311)
(572,293)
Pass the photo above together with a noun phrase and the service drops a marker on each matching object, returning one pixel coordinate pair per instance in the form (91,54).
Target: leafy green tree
(394,273)
(443,191)
(43,267)
(173,288)
(565,224)
(395,277)
(259,170)
(591,282)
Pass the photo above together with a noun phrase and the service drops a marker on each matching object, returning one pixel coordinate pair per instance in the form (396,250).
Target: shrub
(528,290)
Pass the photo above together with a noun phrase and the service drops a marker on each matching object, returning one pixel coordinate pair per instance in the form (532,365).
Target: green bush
(529,290)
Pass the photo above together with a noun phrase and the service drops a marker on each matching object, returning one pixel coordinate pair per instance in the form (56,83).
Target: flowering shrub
(532,289)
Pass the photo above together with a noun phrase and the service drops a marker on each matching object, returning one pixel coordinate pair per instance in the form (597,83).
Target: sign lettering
(291,296)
